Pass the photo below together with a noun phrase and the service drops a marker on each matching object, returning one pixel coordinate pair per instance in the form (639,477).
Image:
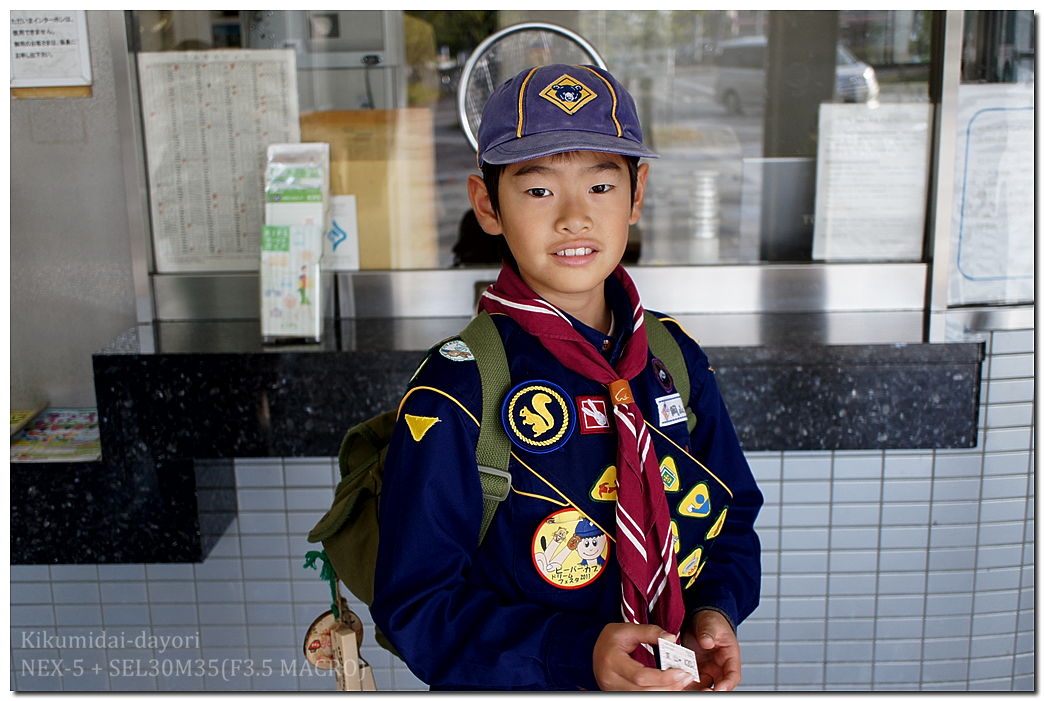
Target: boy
(621,526)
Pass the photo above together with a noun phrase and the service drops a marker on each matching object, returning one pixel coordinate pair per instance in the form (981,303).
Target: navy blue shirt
(522,610)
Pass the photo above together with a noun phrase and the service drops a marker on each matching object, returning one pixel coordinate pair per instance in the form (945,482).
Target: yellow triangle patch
(696,503)
(669,473)
(688,566)
(606,486)
(675,537)
(420,425)
(715,530)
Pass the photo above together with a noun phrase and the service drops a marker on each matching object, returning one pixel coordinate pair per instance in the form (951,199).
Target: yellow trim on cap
(521,96)
(619,129)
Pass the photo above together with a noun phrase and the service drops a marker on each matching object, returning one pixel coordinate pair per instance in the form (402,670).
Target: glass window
(784,136)
(993,214)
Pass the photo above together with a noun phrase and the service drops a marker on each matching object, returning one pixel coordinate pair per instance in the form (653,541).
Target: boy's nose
(573,218)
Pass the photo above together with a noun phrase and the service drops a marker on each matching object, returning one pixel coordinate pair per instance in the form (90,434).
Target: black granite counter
(178,400)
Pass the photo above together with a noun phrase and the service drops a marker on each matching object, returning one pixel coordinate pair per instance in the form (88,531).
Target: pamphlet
(59,435)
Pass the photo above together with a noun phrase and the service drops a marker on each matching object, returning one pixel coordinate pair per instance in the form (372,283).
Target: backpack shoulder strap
(493,450)
(664,347)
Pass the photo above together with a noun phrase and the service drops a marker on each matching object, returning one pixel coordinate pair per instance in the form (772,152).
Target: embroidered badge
(456,350)
(420,425)
(696,503)
(670,409)
(568,93)
(692,579)
(662,376)
(669,474)
(715,530)
(569,551)
(537,417)
(592,415)
(606,486)
(689,566)
(675,538)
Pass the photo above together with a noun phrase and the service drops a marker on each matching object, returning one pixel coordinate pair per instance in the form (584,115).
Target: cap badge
(568,93)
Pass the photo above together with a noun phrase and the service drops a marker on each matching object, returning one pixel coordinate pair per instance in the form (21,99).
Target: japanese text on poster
(49,48)
(209,118)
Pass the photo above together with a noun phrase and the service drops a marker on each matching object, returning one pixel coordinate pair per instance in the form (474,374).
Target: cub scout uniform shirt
(523,610)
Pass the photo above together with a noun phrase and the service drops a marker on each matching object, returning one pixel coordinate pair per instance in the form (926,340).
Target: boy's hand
(711,637)
(616,670)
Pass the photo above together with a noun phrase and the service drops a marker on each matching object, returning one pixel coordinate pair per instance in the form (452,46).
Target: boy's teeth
(575,252)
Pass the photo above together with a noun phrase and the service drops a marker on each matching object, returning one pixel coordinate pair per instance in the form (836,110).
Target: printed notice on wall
(209,118)
(49,48)
(871,182)
(991,247)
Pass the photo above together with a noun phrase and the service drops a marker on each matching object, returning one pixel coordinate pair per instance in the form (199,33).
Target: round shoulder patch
(662,376)
(456,350)
(537,418)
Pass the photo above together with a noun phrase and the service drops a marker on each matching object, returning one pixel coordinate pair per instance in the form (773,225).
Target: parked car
(740,82)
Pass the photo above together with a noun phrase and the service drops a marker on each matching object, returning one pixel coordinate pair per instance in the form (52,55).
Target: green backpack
(349,530)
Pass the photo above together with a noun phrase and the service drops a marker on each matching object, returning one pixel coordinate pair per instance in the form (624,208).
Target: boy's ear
(639,193)
(479,196)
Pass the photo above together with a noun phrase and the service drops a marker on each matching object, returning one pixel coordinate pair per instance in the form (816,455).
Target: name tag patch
(670,409)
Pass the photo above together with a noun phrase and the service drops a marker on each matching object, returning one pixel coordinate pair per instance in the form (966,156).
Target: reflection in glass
(730,99)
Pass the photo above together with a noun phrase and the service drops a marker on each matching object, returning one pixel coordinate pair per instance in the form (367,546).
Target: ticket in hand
(673,656)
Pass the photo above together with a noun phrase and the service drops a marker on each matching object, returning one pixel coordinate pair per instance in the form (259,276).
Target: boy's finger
(649,678)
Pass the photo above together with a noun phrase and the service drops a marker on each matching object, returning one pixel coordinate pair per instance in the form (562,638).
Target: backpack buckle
(498,488)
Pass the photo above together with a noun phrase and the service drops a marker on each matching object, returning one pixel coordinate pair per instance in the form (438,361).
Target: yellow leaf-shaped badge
(606,486)
(715,530)
(696,503)
(669,473)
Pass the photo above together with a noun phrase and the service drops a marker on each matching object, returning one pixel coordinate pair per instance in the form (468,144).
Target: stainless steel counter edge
(673,289)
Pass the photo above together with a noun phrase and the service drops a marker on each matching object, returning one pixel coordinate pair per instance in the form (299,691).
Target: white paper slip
(673,656)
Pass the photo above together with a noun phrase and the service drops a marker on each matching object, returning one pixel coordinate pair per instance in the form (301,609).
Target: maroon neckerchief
(650,585)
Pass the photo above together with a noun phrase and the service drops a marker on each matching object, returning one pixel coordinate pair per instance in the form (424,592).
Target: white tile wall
(885,571)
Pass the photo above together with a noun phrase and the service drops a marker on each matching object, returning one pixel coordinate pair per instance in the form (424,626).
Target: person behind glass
(622,526)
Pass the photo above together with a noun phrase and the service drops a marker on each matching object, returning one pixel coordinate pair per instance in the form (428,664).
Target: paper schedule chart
(209,117)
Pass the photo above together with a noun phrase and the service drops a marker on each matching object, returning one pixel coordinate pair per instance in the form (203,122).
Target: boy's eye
(539,192)
(599,189)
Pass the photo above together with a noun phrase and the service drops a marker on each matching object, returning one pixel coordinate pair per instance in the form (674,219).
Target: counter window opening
(791,143)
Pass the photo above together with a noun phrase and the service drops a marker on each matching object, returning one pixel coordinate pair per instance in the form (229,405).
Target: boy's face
(565,218)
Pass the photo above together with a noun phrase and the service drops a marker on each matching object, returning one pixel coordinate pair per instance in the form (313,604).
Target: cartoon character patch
(662,376)
(697,503)
(456,350)
(606,486)
(593,415)
(568,93)
(569,551)
(536,416)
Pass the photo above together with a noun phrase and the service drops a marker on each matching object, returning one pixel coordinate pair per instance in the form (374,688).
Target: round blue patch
(537,417)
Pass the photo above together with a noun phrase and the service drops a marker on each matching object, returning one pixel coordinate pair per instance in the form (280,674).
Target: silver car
(740,82)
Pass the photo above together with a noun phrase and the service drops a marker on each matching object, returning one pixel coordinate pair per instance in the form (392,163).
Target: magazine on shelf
(58,435)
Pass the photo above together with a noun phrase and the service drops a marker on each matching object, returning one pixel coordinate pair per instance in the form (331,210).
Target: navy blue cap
(556,108)
(586,529)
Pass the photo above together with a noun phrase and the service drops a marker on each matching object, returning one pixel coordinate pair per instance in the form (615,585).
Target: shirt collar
(609,346)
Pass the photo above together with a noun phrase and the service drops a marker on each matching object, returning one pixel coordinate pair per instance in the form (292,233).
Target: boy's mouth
(573,252)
